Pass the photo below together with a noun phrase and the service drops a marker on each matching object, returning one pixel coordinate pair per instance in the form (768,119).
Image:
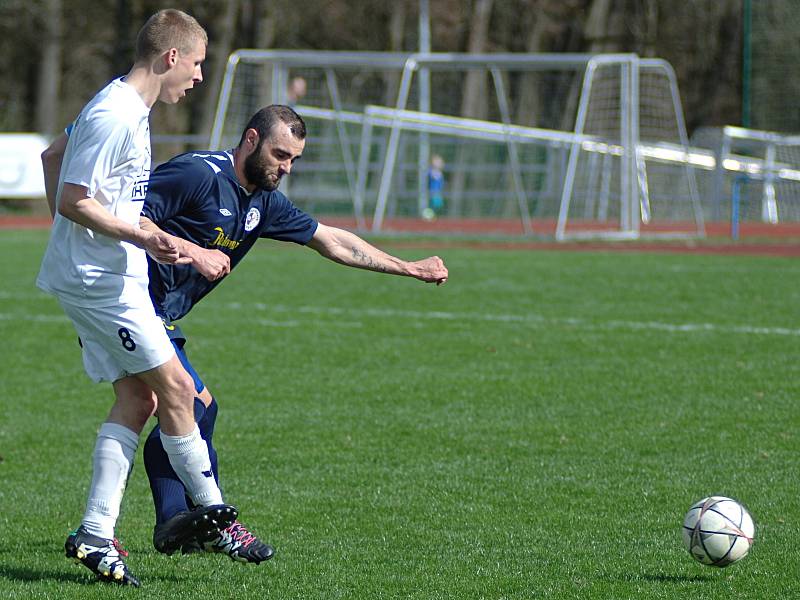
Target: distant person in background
(296,91)
(435,188)
(218,205)
(96,265)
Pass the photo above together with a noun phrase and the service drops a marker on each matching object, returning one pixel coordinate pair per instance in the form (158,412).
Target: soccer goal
(760,172)
(564,144)
(634,176)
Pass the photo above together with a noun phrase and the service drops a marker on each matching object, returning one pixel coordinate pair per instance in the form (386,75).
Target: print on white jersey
(139,190)
(108,154)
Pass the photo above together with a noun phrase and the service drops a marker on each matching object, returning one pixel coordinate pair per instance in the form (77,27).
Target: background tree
(45,77)
(473,100)
(49,80)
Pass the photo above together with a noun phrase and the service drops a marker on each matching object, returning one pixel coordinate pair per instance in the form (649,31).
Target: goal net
(568,144)
(760,173)
(633,176)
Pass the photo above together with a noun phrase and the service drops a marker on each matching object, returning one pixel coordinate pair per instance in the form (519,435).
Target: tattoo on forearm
(368,261)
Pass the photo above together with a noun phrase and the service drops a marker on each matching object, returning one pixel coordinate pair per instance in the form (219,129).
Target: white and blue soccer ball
(718,531)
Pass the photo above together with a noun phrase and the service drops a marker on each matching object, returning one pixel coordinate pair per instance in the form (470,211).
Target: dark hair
(269,116)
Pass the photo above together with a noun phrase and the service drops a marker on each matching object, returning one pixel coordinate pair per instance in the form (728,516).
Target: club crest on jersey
(252,219)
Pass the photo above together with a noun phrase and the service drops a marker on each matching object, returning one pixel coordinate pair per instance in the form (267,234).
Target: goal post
(566,144)
(635,178)
(760,172)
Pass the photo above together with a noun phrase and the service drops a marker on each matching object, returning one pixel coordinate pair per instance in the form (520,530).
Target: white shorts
(119,340)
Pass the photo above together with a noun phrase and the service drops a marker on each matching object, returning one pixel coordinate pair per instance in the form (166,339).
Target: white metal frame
(767,169)
(634,197)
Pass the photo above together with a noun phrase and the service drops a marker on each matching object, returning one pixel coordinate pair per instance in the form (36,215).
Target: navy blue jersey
(197,197)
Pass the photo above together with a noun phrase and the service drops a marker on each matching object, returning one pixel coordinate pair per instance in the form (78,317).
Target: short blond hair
(169,28)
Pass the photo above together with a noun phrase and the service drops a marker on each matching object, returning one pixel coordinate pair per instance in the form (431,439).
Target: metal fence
(587,142)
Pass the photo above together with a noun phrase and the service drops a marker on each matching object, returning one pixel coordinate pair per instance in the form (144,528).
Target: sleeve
(286,222)
(99,142)
(175,187)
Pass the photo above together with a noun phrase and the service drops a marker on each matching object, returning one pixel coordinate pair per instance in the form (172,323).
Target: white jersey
(108,153)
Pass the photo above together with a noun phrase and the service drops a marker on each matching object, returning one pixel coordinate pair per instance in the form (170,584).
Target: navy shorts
(179,341)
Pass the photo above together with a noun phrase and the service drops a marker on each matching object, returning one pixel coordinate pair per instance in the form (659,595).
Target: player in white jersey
(96,265)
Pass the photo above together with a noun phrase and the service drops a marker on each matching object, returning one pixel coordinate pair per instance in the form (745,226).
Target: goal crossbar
(625,153)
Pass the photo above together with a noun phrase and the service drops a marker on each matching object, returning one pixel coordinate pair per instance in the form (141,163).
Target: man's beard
(255,170)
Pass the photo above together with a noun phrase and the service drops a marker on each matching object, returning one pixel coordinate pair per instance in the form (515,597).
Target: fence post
(735,201)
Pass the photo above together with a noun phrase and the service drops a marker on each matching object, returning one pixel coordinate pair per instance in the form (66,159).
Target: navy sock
(206,426)
(169,495)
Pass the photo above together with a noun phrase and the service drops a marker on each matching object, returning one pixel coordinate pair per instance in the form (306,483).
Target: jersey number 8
(127,340)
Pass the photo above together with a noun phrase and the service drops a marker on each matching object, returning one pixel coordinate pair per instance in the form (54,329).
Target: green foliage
(536,428)
(701,39)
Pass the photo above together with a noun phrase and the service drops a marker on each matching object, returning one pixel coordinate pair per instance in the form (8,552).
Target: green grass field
(536,428)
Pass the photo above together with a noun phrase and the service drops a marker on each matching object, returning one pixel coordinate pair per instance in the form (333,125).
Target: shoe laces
(239,533)
(118,546)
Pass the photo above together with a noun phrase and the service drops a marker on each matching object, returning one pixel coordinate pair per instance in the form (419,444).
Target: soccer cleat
(101,556)
(118,545)
(203,524)
(238,543)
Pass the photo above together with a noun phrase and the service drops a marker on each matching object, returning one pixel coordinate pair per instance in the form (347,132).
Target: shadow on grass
(26,574)
(662,578)
(659,577)
(80,576)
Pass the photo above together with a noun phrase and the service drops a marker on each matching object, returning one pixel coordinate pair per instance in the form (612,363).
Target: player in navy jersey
(217,205)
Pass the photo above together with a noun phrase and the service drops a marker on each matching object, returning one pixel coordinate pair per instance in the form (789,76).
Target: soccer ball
(718,531)
(428,214)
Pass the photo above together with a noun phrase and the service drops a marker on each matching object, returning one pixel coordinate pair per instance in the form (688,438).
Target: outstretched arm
(348,249)
(51,165)
(211,264)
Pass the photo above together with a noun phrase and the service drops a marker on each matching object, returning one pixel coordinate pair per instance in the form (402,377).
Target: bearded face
(260,172)
(272,157)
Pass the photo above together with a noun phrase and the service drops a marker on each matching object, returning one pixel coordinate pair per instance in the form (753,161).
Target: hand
(431,270)
(163,248)
(211,264)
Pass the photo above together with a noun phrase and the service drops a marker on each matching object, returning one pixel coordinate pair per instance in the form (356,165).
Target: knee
(178,389)
(149,405)
(144,409)
(133,408)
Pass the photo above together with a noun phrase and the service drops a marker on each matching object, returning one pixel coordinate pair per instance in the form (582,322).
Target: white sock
(112,460)
(188,455)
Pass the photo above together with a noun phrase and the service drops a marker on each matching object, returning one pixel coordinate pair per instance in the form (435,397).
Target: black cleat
(101,556)
(239,544)
(203,524)
(192,547)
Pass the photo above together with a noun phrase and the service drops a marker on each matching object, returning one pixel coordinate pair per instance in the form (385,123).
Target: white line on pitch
(465,317)
(35,318)
(529,318)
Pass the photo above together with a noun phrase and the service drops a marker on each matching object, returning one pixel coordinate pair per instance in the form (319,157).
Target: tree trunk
(50,70)
(397,27)
(528,107)
(474,101)
(597,26)
(220,50)
(651,28)
(124,39)
(263,36)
